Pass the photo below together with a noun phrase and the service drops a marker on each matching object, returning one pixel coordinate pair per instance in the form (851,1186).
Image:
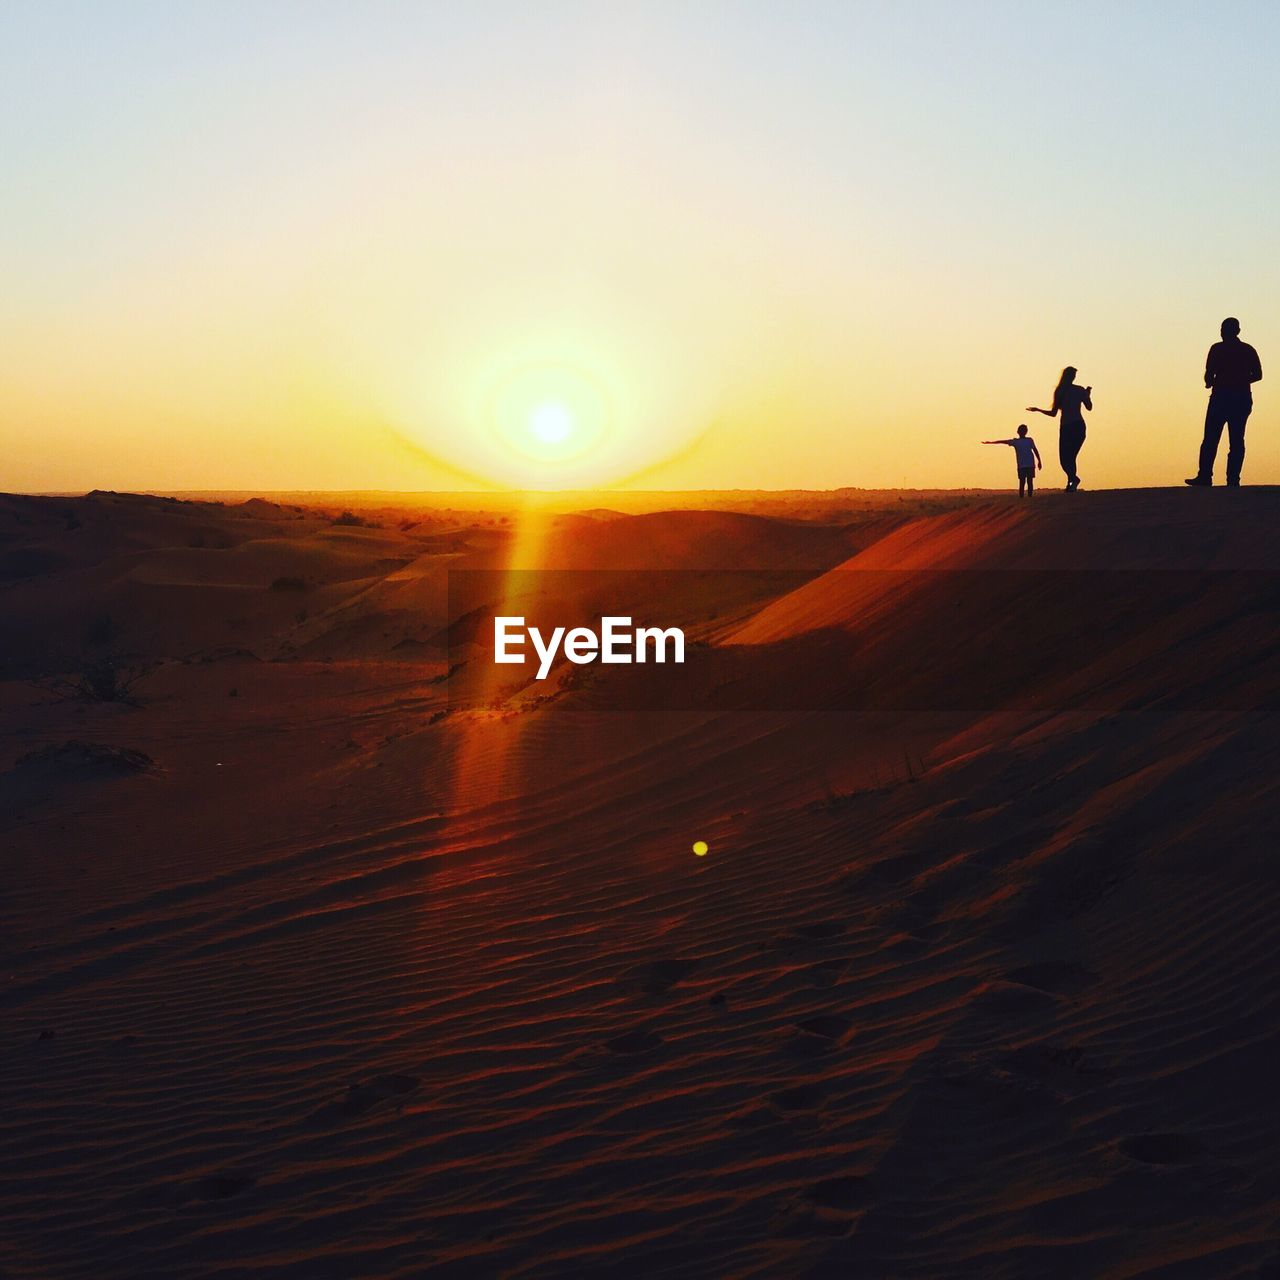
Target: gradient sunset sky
(713,245)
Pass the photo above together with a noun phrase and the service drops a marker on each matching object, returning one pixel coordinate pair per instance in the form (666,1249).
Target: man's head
(1022,428)
(1230,327)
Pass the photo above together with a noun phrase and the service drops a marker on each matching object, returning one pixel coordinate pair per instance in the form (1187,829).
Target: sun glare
(549,416)
(551,422)
(540,413)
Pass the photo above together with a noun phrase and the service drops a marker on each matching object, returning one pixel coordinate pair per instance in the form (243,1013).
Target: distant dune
(314,969)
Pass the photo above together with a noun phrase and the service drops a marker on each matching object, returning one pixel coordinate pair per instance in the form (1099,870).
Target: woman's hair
(1067,378)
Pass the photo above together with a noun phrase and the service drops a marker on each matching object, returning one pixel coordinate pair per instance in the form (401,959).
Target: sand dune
(1114,533)
(349,980)
(674,540)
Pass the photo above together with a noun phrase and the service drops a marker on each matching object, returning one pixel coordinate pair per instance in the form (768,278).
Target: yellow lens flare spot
(701,848)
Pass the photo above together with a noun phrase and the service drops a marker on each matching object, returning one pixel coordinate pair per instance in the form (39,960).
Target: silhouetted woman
(1070,402)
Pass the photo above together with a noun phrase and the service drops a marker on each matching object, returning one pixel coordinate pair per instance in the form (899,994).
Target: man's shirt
(1232,366)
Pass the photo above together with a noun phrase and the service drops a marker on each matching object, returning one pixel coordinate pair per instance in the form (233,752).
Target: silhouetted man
(1230,372)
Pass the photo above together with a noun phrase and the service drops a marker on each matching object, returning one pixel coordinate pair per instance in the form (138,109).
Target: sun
(551,422)
(546,417)
(541,413)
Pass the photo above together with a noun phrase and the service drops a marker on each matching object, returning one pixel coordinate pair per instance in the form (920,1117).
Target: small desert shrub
(104,679)
(91,757)
(349,519)
(107,678)
(110,680)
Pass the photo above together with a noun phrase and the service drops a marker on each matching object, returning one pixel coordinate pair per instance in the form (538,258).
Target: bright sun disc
(550,415)
(551,422)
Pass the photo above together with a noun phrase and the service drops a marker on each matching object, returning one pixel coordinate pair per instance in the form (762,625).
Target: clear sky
(671,243)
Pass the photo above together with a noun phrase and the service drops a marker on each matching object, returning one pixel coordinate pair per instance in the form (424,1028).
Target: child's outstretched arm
(997,442)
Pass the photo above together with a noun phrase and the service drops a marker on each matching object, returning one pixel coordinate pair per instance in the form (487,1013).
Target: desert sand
(321,955)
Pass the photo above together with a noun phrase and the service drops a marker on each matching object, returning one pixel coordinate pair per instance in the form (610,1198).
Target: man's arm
(1211,365)
(1255,374)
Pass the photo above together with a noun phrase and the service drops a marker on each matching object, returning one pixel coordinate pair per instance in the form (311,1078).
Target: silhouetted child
(1027,457)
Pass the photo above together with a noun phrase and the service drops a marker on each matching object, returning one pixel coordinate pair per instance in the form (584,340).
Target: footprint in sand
(629,1043)
(799,1097)
(655,977)
(1064,1068)
(363,1096)
(803,1045)
(821,930)
(1004,1000)
(906,946)
(846,1194)
(805,937)
(1058,977)
(831,1026)
(826,973)
(827,1208)
(626,1047)
(820,1034)
(1163,1148)
(222,1186)
(888,873)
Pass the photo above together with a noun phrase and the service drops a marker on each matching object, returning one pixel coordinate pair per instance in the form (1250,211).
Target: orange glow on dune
(486,740)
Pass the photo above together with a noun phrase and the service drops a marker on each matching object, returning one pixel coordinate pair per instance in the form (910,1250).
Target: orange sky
(667,246)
